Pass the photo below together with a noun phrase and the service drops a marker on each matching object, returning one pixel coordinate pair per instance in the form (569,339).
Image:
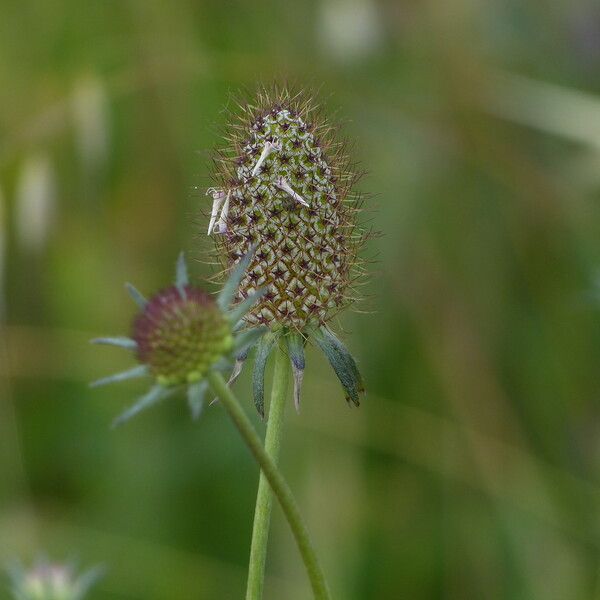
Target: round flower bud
(180,334)
(46,581)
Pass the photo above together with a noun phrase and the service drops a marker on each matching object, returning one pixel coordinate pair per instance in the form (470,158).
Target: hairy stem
(278,485)
(264,497)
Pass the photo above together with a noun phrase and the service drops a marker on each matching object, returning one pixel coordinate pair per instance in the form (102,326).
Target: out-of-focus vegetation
(472,469)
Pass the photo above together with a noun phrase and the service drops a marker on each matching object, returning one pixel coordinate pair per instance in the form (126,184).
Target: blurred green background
(472,468)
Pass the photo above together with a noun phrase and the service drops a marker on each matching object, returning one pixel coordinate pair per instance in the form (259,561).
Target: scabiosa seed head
(180,333)
(288,186)
(284,185)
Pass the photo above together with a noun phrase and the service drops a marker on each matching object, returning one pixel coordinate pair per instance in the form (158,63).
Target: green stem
(278,485)
(264,497)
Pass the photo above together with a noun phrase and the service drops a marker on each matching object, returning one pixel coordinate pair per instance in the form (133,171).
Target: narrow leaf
(296,351)
(240,309)
(265,345)
(342,362)
(229,290)
(122,342)
(344,351)
(139,371)
(181,275)
(195,396)
(136,295)
(154,395)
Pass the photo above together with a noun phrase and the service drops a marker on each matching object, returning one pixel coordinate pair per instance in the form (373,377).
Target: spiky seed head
(180,334)
(289,193)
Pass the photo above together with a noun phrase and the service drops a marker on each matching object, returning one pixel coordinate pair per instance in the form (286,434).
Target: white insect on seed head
(267,149)
(282,184)
(218,197)
(221,225)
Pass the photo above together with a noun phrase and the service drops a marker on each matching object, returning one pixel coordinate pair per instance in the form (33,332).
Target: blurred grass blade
(91,120)
(3,248)
(554,109)
(35,202)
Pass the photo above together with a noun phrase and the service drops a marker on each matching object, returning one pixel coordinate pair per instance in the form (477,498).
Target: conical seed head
(180,334)
(288,187)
